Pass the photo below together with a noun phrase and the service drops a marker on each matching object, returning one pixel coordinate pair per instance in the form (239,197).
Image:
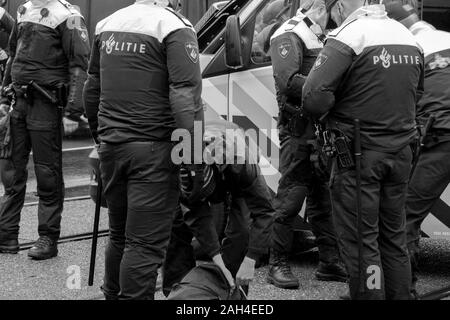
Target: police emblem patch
(284,49)
(192,51)
(320,61)
(83,36)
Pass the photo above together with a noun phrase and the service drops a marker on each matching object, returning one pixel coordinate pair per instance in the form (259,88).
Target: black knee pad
(49,182)
(11,175)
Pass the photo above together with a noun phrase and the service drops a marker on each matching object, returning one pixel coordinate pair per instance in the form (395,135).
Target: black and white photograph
(224,158)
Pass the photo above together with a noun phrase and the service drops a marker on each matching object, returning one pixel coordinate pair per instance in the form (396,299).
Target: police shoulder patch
(284,48)
(320,61)
(84,35)
(192,51)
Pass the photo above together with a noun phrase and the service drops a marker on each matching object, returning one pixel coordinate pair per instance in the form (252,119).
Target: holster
(343,150)
(295,119)
(435,137)
(55,95)
(320,162)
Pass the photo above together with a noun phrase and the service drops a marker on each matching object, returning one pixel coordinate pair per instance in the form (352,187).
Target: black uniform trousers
(297,183)
(141,190)
(386,272)
(180,257)
(428,182)
(35,125)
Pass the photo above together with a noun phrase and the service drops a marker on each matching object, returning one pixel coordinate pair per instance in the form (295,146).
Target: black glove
(196,176)
(74,108)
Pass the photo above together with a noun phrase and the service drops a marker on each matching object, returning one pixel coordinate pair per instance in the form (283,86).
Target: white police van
(238,82)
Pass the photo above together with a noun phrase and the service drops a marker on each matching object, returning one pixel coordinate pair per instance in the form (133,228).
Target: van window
(268,19)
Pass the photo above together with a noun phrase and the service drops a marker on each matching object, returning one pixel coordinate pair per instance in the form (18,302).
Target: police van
(238,82)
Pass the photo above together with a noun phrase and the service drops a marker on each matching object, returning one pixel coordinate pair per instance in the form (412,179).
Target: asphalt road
(21,278)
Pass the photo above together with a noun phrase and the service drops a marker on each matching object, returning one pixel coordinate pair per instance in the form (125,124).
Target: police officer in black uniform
(432,173)
(49,46)
(144,82)
(371,70)
(238,183)
(294,48)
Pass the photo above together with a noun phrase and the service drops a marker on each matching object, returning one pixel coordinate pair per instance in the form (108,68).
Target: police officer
(294,48)
(238,182)
(49,46)
(147,58)
(432,173)
(370,69)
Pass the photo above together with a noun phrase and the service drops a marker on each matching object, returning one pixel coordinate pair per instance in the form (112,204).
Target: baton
(358,154)
(44,92)
(422,136)
(95,231)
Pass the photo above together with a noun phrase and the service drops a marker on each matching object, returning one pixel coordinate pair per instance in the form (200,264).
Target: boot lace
(284,266)
(43,242)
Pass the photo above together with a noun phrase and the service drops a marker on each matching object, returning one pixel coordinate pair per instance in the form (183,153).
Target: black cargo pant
(297,183)
(385,272)
(430,179)
(141,190)
(180,257)
(34,126)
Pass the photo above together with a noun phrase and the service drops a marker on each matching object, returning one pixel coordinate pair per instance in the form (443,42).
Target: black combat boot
(280,274)
(44,248)
(9,246)
(332,271)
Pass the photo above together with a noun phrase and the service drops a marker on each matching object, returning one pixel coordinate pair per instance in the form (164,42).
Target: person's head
(275,11)
(403,13)
(318,13)
(306,4)
(342,9)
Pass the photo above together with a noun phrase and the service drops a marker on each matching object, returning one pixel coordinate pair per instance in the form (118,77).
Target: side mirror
(3,3)
(233,43)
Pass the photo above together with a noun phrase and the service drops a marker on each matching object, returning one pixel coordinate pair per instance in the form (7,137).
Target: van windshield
(214,20)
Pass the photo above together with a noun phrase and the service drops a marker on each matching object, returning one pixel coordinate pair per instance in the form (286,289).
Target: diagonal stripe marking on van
(250,108)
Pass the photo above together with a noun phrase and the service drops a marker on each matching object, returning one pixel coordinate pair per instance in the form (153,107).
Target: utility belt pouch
(434,138)
(344,155)
(297,122)
(297,125)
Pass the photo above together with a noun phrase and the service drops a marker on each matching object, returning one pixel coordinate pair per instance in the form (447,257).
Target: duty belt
(54,95)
